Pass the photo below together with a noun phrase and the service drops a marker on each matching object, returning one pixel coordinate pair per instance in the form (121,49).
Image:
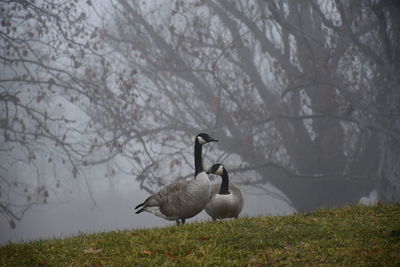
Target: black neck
(198,161)
(224,189)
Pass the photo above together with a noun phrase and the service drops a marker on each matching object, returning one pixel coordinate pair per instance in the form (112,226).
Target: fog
(100,104)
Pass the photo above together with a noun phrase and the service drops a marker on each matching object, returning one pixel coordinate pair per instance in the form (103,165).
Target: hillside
(350,236)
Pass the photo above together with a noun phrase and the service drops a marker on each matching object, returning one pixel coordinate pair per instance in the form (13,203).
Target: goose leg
(182,221)
(178,222)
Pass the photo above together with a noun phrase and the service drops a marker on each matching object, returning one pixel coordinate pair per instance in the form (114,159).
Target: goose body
(226,198)
(181,200)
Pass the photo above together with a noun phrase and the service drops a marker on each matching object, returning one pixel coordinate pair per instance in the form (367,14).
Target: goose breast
(225,206)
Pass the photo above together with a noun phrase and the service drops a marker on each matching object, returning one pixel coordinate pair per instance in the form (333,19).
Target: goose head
(204,138)
(220,170)
(217,169)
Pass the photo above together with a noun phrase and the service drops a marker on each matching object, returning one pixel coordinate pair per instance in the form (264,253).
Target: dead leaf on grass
(170,255)
(91,250)
(147,252)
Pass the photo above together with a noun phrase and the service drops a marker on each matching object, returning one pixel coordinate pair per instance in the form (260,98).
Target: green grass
(349,236)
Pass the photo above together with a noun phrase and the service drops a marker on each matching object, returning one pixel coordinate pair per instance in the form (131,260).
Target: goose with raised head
(226,198)
(181,200)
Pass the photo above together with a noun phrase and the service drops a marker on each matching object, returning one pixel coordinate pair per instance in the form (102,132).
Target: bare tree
(43,50)
(301,93)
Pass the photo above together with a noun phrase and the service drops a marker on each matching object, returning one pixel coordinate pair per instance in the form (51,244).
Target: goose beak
(213,140)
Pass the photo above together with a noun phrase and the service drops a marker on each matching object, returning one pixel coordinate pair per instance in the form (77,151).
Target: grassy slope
(353,235)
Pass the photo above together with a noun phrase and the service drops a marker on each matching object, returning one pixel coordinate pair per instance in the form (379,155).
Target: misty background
(100,103)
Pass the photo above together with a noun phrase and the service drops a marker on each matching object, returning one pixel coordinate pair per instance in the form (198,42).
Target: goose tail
(142,204)
(139,211)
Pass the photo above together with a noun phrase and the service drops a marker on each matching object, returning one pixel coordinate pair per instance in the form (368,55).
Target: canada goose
(226,199)
(182,199)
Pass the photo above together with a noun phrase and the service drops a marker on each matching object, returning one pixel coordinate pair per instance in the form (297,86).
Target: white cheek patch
(201,140)
(220,170)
